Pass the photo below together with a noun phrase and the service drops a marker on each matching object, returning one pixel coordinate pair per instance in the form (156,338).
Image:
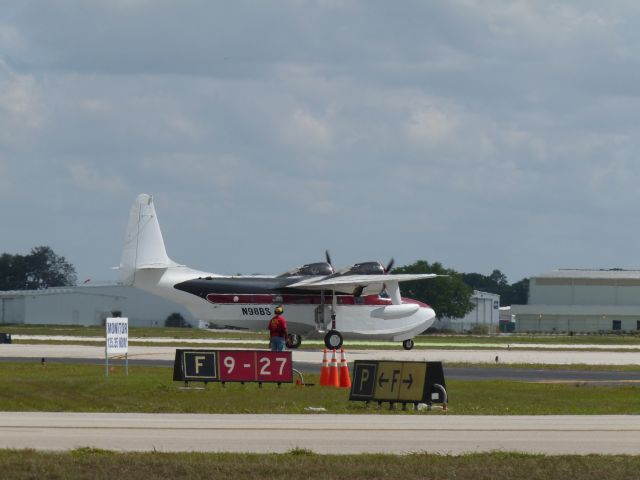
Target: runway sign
(364,380)
(200,365)
(402,382)
(117,335)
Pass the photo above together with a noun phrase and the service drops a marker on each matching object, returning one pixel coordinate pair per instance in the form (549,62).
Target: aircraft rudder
(143,245)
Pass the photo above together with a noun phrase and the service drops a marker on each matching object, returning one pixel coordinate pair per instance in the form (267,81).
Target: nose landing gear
(333,339)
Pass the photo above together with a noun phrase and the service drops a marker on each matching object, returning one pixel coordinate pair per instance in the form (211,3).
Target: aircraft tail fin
(143,245)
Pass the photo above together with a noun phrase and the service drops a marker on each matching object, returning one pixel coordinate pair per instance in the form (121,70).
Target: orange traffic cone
(334,376)
(324,371)
(345,378)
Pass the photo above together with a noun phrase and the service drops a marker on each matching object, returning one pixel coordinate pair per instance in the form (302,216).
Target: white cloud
(90,178)
(132,4)
(10,38)
(6,180)
(20,97)
(96,105)
(222,173)
(183,126)
(340,116)
(23,114)
(317,198)
(307,132)
(430,125)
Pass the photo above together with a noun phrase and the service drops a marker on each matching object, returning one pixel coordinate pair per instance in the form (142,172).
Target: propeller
(328,257)
(389,266)
(387,270)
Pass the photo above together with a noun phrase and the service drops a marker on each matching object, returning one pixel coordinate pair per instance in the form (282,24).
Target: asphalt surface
(323,433)
(476,356)
(309,361)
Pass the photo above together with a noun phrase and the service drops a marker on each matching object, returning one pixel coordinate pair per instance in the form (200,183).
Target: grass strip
(99,331)
(88,463)
(84,388)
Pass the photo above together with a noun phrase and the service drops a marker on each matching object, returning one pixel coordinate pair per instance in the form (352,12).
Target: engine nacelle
(364,268)
(310,270)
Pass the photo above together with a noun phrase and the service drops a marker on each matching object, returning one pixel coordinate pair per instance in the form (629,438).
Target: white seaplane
(362,301)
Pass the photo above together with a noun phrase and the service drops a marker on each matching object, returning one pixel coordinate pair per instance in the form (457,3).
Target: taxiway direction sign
(404,382)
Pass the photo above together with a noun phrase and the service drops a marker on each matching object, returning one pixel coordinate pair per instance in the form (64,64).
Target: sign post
(117,341)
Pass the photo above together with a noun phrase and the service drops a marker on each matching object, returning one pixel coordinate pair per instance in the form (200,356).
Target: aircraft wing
(349,283)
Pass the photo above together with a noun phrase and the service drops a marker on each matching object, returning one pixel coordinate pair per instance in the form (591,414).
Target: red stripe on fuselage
(291,299)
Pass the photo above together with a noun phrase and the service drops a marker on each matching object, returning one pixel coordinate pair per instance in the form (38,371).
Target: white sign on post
(117,336)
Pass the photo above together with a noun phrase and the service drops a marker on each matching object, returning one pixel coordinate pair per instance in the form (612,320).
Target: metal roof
(80,289)
(592,274)
(45,291)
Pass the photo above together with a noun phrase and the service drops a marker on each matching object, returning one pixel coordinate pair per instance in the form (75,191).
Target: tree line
(450,295)
(40,268)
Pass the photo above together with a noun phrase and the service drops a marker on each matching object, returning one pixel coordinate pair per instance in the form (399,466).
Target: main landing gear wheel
(293,340)
(408,344)
(333,339)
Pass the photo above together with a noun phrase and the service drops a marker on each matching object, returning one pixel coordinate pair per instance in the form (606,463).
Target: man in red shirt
(278,330)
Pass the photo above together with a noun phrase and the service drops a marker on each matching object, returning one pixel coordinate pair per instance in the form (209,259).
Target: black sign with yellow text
(402,382)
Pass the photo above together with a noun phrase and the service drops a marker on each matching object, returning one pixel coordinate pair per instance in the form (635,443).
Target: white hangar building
(585,301)
(486,311)
(86,305)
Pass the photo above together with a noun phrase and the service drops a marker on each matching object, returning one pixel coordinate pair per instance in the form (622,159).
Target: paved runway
(420,342)
(322,433)
(532,357)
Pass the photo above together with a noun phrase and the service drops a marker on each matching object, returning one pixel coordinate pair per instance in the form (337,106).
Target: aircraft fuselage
(248,302)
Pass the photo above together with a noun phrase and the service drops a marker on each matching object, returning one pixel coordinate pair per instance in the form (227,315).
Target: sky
(480,134)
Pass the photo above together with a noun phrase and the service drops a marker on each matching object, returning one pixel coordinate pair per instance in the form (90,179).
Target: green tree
(497,283)
(41,268)
(494,283)
(449,296)
(518,293)
(12,272)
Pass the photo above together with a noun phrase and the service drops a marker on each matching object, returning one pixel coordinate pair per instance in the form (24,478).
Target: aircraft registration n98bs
(362,301)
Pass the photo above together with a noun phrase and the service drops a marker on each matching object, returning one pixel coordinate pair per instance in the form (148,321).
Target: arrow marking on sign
(409,382)
(382,380)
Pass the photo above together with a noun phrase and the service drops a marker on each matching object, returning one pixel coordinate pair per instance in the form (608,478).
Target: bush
(480,329)
(176,320)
